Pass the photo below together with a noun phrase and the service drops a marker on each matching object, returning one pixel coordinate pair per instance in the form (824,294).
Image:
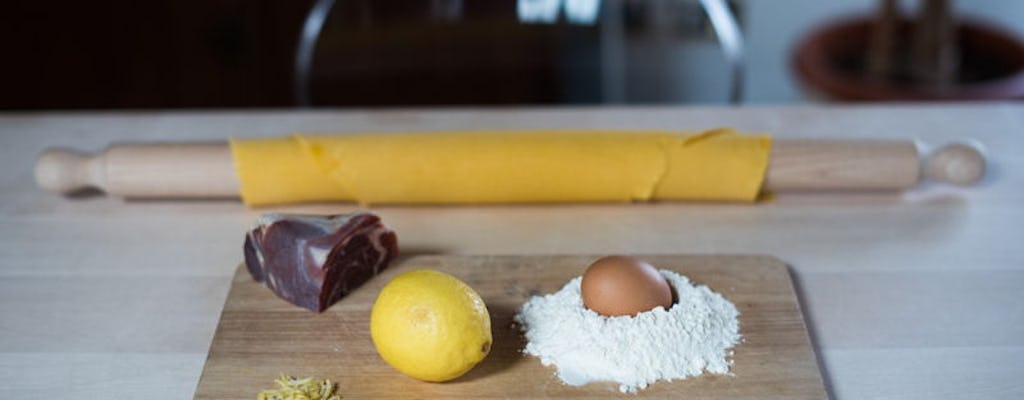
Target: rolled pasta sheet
(502,167)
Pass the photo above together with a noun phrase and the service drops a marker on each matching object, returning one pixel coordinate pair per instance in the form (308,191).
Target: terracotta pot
(830,62)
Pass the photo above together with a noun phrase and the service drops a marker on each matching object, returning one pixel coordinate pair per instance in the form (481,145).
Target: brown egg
(622,285)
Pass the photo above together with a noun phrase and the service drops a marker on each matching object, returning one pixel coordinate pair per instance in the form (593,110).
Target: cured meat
(313,261)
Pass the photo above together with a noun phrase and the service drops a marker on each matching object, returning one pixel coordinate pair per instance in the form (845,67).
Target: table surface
(913,295)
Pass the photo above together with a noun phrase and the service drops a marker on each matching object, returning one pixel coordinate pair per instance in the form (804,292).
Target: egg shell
(623,285)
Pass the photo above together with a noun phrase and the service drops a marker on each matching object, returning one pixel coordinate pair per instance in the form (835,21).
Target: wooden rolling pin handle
(157,170)
(961,164)
(871,165)
(67,171)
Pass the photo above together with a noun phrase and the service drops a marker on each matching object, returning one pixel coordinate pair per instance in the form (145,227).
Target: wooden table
(907,296)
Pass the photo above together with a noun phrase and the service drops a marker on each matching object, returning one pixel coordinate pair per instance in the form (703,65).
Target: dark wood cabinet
(234,53)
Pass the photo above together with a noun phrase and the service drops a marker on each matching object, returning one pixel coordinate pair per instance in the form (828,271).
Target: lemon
(430,325)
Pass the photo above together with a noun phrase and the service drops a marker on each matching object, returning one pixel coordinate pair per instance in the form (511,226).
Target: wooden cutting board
(260,336)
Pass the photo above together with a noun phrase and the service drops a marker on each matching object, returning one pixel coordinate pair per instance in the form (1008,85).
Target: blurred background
(118,54)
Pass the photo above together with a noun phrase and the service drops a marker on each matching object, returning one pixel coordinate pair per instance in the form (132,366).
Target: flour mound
(695,335)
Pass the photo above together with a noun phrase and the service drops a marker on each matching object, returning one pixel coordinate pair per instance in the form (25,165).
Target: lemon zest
(291,388)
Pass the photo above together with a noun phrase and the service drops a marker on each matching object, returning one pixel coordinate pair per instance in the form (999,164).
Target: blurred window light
(580,12)
(538,11)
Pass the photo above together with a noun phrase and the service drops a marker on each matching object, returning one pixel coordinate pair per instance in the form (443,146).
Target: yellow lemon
(430,325)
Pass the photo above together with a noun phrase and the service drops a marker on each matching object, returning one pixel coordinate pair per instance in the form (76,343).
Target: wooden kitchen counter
(910,296)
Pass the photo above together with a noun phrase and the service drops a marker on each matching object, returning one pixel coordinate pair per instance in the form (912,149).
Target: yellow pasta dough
(501,167)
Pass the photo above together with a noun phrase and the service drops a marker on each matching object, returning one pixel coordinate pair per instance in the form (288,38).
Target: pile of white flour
(694,336)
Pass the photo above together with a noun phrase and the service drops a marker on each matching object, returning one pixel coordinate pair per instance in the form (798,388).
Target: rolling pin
(205,169)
